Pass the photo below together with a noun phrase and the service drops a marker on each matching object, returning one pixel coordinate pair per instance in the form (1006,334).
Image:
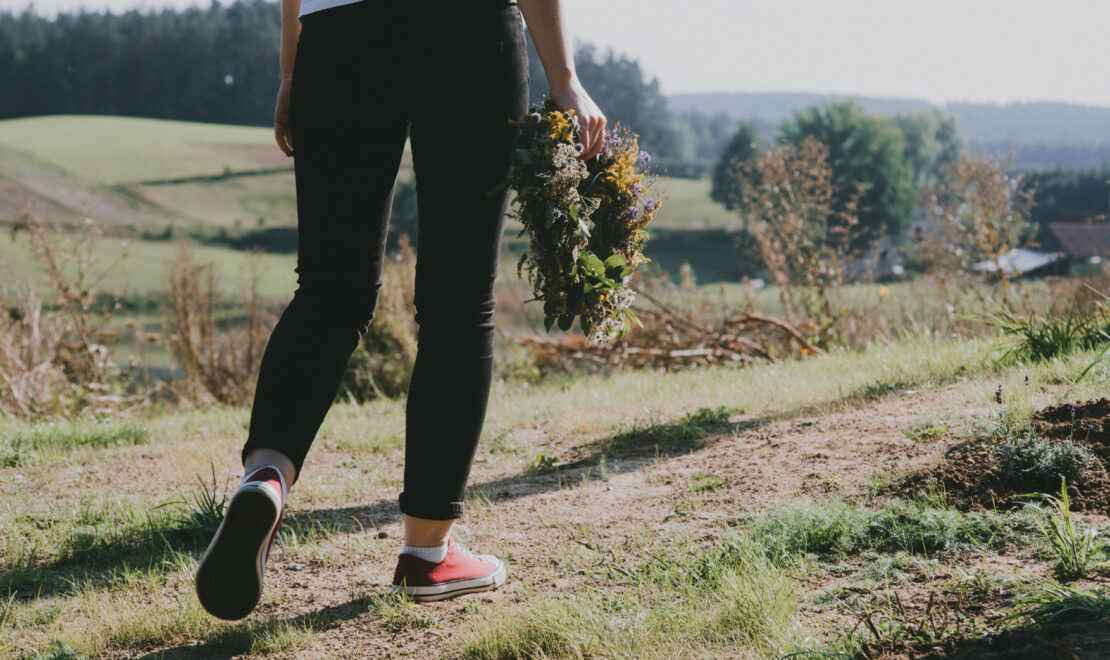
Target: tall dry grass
(54,355)
(219,359)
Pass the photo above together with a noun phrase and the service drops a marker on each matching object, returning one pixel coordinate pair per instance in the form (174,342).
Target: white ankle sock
(434,554)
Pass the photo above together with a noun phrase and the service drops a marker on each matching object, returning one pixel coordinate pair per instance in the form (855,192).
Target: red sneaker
(229,577)
(459,573)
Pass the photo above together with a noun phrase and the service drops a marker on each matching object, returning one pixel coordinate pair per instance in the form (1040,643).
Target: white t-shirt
(310,6)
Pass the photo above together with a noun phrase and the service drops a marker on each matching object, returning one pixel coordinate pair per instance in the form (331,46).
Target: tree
(728,179)
(932,142)
(790,202)
(214,64)
(622,91)
(866,155)
(980,211)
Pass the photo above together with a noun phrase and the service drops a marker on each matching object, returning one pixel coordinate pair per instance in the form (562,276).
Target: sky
(999,51)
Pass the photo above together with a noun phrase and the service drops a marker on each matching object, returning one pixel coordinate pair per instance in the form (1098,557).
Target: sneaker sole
(455,587)
(229,578)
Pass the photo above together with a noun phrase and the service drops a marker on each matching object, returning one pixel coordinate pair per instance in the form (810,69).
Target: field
(888,497)
(610,496)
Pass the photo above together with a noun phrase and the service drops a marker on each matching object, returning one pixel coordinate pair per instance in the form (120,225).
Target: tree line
(220,64)
(882,166)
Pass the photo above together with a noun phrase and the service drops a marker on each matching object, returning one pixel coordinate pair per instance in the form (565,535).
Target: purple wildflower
(1071,409)
(998,395)
(645,156)
(649,203)
(637,190)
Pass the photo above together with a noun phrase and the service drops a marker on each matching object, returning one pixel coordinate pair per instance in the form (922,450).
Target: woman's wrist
(562,80)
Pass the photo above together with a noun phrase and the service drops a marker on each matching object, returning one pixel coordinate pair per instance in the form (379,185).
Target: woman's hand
(281,117)
(545,23)
(591,122)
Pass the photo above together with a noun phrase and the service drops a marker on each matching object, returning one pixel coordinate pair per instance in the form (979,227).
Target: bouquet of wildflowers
(586,221)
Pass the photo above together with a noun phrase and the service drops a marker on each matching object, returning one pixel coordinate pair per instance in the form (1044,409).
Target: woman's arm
(290,31)
(545,23)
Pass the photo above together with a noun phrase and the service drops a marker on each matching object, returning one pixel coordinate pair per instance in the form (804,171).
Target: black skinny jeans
(449,74)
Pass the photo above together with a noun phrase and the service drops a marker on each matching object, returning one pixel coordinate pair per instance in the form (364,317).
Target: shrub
(1037,463)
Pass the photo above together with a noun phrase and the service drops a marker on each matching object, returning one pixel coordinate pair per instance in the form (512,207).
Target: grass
(109,150)
(930,428)
(123,589)
(1045,338)
(245,203)
(21,443)
(145,270)
(687,601)
(270,635)
(683,435)
(201,513)
(833,528)
(687,206)
(58,651)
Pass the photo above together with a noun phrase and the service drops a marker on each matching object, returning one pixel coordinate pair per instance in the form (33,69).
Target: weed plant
(58,651)
(200,515)
(1040,339)
(1048,601)
(1077,552)
(1036,463)
(5,613)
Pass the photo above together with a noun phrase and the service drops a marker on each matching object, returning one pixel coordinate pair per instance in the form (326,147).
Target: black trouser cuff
(418,508)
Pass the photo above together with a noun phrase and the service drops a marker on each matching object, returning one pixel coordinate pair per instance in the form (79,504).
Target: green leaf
(548,321)
(565,321)
(591,264)
(615,261)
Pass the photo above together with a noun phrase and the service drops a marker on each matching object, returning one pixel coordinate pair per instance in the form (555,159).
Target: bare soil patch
(971,475)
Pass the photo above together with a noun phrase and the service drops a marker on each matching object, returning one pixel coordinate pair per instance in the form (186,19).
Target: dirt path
(549,526)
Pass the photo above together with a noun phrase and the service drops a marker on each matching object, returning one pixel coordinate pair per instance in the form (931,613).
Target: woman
(358,77)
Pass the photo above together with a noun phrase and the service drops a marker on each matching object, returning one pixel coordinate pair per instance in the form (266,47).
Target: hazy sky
(940,50)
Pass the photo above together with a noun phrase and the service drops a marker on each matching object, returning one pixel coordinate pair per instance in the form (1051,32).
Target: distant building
(1021,262)
(1086,241)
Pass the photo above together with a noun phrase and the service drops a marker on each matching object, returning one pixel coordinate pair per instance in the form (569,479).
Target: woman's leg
(348,138)
(471,83)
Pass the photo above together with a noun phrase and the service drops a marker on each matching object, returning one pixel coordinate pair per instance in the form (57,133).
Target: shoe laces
(281,544)
(461,532)
(462,535)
